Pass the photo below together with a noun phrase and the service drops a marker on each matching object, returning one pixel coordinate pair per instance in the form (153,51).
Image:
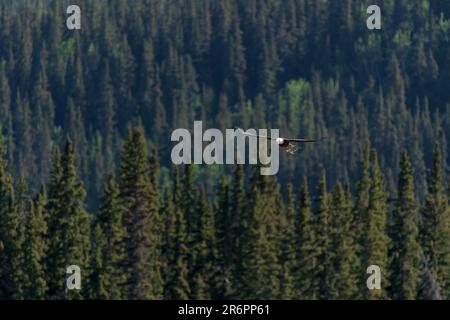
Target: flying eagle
(287,144)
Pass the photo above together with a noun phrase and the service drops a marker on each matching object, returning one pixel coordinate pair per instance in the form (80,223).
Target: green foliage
(175,251)
(343,280)
(435,227)
(11,237)
(35,249)
(323,243)
(109,250)
(306,285)
(69,225)
(260,64)
(406,252)
(141,218)
(229,67)
(375,242)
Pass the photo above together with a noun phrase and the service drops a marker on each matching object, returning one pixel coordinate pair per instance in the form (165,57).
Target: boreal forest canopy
(86,176)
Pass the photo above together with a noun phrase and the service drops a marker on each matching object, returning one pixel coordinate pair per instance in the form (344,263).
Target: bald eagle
(287,144)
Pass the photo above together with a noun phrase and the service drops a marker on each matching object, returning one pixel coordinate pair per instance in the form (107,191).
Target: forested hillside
(81,110)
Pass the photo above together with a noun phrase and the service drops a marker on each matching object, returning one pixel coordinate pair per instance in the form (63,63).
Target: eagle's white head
(280,141)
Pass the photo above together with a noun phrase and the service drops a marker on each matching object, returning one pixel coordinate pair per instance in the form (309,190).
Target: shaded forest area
(250,243)
(374,192)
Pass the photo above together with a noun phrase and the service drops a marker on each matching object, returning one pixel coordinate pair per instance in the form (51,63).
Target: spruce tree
(69,227)
(35,249)
(189,202)
(234,237)
(270,218)
(141,217)
(223,238)
(250,274)
(287,245)
(435,227)
(18,221)
(362,197)
(375,240)
(11,236)
(176,284)
(259,268)
(322,231)
(204,251)
(306,285)
(97,284)
(109,234)
(343,278)
(405,251)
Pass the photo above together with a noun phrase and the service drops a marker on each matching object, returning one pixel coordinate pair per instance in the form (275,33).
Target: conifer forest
(87,180)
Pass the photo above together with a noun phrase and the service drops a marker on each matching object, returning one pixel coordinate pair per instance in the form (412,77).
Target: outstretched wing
(270,138)
(301,140)
(253,135)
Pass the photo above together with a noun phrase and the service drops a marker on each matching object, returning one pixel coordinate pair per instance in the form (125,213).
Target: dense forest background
(374,192)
